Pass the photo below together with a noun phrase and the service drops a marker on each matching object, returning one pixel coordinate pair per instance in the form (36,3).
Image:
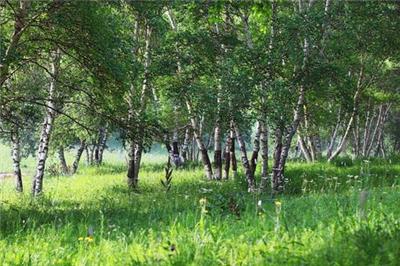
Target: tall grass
(200,222)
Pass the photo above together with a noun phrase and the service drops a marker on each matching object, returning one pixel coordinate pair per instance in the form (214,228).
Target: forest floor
(320,220)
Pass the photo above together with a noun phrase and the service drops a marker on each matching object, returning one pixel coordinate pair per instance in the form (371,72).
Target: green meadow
(330,214)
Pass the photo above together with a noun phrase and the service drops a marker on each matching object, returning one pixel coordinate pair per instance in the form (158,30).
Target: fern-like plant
(166,183)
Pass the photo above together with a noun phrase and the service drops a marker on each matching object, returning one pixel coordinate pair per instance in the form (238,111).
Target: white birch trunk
(16,158)
(245,162)
(78,155)
(356,99)
(47,128)
(264,156)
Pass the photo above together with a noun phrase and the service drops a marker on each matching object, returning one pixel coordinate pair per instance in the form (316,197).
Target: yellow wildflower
(80,238)
(278,204)
(89,238)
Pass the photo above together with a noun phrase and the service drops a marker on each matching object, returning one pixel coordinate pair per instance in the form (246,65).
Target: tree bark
(227,157)
(304,148)
(132,180)
(78,155)
(202,148)
(245,162)
(16,158)
(185,148)
(334,135)
(356,99)
(100,145)
(217,152)
(47,128)
(19,27)
(63,162)
(135,154)
(176,158)
(264,156)
(256,148)
(277,177)
(233,154)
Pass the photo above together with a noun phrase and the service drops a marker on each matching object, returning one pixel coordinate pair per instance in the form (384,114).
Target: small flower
(80,238)
(89,239)
(259,203)
(278,204)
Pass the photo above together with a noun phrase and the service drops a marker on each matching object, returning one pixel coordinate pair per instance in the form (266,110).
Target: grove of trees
(260,80)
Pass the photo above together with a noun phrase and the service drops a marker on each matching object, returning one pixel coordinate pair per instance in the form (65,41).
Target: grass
(199,222)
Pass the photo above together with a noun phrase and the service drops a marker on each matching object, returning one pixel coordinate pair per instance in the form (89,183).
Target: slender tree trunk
(91,155)
(356,136)
(366,131)
(334,136)
(276,170)
(202,148)
(217,152)
(227,157)
(264,156)
(47,128)
(132,181)
(356,99)
(175,150)
(101,145)
(256,148)
(20,16)
(245,162)
(380,135)
(87,155)
(304,148)
(78,155)
(185,148)
(63,162)
(278,173)
(138,160)
(16,158)
(233,154)
(138,141)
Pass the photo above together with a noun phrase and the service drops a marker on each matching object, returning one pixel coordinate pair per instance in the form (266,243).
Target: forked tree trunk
(136,149)
(78,156)
(196,131)
(264,156)
(47,128)
(356,99)
(256,148)
(91,155)
(101,145)
(379,146)
(63,162)
(227,157)
(217,152)
(16,158)
(202,148)
(245,162)
(304,148)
